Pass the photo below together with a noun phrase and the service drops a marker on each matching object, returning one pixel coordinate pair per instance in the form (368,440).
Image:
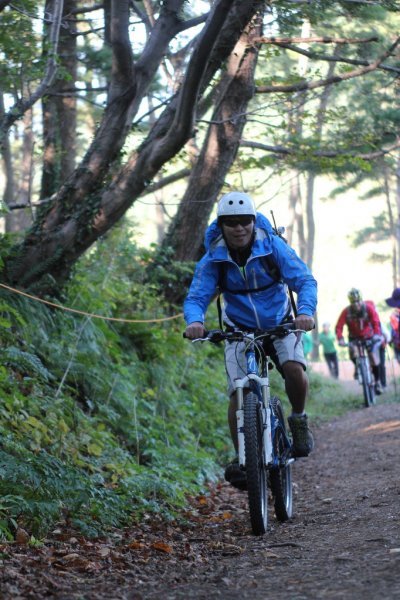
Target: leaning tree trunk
(219,150)
(83,210)
(59,112)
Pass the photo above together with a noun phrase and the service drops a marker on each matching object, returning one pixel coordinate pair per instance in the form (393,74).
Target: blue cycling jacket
(256,309)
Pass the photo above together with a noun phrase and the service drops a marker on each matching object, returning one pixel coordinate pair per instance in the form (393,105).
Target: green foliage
(169,277)
(378,232)
(19,43)
(100,420)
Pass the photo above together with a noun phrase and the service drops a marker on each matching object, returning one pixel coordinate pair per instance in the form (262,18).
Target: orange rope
(81,312)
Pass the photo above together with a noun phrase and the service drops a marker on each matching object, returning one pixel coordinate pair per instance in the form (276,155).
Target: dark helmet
(354,296)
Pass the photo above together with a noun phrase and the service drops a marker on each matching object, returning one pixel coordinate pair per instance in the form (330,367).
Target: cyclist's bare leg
(374,359)
(296,385)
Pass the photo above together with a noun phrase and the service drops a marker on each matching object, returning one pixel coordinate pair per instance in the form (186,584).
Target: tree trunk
(9,189)
(219,150)
(59,112)
(311,176)
(302,243)
(82,210)
(386,180)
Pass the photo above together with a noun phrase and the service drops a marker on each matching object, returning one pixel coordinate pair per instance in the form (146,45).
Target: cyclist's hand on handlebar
(195,330)
(341,342)
(304,322)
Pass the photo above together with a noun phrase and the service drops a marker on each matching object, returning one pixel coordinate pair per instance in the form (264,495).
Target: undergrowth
(101,421)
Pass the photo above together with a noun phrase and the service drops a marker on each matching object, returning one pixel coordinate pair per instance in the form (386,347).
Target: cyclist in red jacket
(362,322)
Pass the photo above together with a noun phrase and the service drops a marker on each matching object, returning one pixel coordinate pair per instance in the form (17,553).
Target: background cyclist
(362,322)
(241,253)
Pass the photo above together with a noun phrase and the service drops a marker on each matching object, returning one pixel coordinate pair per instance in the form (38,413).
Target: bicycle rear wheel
(281,476)
(255,465)
(367,384)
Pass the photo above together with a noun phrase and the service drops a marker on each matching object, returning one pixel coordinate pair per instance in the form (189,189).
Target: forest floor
(343,541)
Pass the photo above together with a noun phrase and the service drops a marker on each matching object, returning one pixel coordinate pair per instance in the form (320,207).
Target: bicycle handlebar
(218,335)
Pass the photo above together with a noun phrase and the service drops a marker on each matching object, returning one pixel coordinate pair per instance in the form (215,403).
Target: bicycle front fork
(265,426)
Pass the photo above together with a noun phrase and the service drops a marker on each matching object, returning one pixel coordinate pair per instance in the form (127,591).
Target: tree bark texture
(9,189)
(84,208)
(218,152)
(59,113)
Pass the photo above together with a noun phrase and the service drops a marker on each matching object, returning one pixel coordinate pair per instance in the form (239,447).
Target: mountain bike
(360,349)
(263,440)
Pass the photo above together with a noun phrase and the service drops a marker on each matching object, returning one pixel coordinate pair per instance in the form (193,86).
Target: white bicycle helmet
(236,203)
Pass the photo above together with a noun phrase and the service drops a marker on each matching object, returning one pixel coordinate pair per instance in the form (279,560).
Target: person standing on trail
(327,341)
(362,322)
(394,302)
(308,345)
(253,267)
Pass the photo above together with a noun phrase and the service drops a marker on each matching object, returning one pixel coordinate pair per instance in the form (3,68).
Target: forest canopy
(101,104)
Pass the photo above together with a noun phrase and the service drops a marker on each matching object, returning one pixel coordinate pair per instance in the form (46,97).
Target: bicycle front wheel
(255,465)
(281,476)
(367,384)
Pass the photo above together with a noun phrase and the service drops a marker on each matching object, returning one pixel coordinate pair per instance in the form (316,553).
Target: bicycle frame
(364,370)
(263,443)
(361,353)
(259,384)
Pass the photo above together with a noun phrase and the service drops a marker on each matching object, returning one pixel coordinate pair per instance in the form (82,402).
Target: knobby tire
(367,385)
(255,468)
(281,476)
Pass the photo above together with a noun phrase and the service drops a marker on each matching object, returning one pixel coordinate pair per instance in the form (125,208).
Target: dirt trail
(343,541)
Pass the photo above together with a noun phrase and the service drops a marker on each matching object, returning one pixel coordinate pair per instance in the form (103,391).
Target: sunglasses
(242,221)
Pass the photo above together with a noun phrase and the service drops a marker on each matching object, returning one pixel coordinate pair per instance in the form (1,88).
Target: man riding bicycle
(362,322)
(243,255)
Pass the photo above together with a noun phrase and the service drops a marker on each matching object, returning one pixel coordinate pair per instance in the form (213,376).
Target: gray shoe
(303,441)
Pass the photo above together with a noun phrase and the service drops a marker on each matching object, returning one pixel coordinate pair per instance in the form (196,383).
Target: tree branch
(304,85)
(21,106)
(182,124)
(161,183)
(333,58)
(194,22)
(122,72)
(311,40)
(86,9)
(320,153)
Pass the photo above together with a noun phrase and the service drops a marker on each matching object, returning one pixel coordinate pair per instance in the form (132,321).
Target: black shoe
(235,475)
(303,441)
(378,389)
